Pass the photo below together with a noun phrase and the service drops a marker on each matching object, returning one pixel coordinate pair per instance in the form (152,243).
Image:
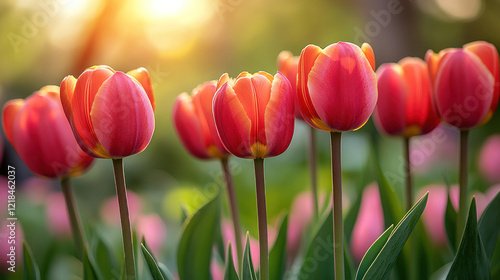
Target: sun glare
(167,8)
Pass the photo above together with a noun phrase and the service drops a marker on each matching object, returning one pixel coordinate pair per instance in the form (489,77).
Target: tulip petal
(233,124)
(261,88)
(306,62)
(390,112)
(188,126)
(342,87)
(464,89)
(142,76)
(86,88)
(279,116)
(202,99)
(122,116)
(488,54)
(9,113)
(223,79)
(368,51)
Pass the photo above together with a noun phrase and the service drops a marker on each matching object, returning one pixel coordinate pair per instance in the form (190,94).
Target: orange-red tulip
(465,83)
(254,114)
(337,86)
(404,106)
(40,134)
(288,65)
(111,113)
(194,121)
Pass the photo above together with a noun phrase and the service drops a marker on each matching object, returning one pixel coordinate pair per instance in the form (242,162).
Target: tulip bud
(288,65)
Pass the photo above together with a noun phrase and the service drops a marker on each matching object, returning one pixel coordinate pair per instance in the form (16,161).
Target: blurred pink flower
(489,159)
(369,224)
(110,211)
(57,215)
(37,189)
(10,229)
(217,270)
(154,231)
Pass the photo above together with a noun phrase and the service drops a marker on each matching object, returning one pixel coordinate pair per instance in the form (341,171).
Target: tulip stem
(262,217)
(233,203)
(74,217)
(462,208)
(312,169)
(338,234)
(121,191)
(409,183)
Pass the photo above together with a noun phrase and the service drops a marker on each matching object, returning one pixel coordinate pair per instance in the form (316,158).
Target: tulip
(111,112)
(57,216)
(27,123)
(254,119)
(465,95)
(112,116)
(404,106)
(369,224)
(289,66)
(194,122)
(337,92)
(154,231)
(489,159)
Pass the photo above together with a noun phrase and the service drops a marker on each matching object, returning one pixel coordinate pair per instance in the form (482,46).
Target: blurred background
(186,42)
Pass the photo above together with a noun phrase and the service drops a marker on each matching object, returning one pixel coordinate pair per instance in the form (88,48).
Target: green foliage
(471,261)
(152,263)
(197,239)
(31,271)
(230,272)
(277,256)
(247,271)
(450,224)
(372,253)
(489,226)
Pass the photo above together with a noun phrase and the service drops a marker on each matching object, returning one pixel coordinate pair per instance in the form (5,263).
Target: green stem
(462,208)
(338,234)
(312,170)
(74,217)
(262,217)
(409,183)
(121,191)
(233,203)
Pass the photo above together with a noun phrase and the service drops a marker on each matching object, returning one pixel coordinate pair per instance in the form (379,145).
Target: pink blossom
(489,159)
(111,213)
(57,215)
(154,231)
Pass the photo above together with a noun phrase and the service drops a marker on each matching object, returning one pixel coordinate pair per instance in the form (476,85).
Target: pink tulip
(154,231)
(27,125)
(288,65)
(489,159)
(110,211)
(57,215)
(369,224)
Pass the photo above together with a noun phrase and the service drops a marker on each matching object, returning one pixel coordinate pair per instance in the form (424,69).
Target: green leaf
(89,268)
(230,272)
(195,246)
(489,226)
(277,256)
(372,253)
(184,214)
(450,224)
(351,217)
(248,271)
(382,265)
(318,262)
(105,260)
(471,261)
(154,269)
(31,271)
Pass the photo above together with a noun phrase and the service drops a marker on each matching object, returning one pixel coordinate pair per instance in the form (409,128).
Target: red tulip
(465,84)
(404,105)
(194,121)
(111,113)
(337,86)
(254,114)
(40,134)
(288,65)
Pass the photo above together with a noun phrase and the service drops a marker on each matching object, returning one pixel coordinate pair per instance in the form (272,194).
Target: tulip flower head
(465,84)
(194,121)
(337,86)
(40,134)
(404,106)
(254,114)
(111,113)
(289,66)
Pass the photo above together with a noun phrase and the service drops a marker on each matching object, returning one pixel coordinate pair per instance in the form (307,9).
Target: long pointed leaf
(471,261)
(31,271)
(382,265)
(372,253)
(450,224)
(248,271)
(195,246)
(277,256)
(230,272)
(489,226)
(152,263)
